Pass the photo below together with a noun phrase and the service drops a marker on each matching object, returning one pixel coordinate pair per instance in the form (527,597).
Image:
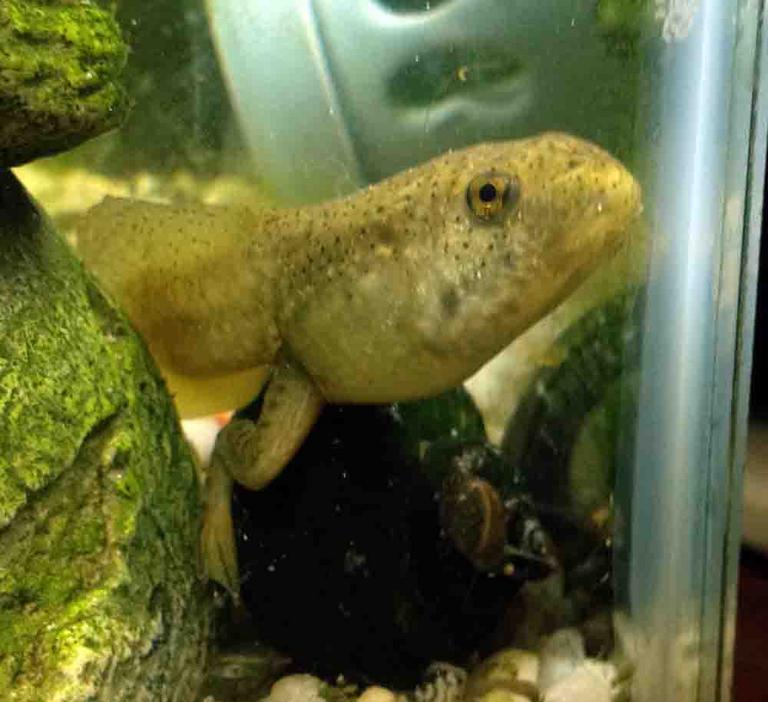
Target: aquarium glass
(464,287)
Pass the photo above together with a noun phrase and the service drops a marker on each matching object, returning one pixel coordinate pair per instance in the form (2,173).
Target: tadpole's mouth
(610,202)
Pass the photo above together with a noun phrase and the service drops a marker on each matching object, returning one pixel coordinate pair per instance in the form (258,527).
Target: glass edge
(745,335)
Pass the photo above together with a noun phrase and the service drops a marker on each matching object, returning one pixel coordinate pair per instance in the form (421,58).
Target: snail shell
(472,515)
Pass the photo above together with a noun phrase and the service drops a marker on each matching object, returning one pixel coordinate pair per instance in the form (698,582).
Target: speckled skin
(400,291)
(396,292)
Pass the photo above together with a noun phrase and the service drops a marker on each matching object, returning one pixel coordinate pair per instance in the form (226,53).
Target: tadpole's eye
(489,194)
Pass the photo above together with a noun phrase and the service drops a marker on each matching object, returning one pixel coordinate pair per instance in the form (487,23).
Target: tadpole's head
(517,225)
(555,195)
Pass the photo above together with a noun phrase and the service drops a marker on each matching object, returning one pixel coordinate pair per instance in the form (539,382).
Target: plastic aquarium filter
(334,94)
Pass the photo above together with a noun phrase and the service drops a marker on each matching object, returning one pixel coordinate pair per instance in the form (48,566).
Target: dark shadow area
(751,651)
(751,654)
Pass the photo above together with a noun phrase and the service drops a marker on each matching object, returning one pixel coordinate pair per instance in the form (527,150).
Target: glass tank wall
(453,299)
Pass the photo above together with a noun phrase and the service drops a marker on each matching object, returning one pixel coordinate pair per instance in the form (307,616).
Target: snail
(497,536)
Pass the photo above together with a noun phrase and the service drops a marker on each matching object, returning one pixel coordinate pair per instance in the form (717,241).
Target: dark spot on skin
(384,233)
(449,301)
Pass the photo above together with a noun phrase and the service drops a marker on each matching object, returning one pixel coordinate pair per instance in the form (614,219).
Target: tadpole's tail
(195,281)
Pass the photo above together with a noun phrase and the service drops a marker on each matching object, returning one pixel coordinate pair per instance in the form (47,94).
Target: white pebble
(561,655)
(296,688)
(377,694)
(589,683)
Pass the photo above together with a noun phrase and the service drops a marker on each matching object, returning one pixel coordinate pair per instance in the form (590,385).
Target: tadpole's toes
(217,546)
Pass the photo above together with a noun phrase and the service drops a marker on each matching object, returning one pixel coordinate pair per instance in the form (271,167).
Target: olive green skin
(397,292)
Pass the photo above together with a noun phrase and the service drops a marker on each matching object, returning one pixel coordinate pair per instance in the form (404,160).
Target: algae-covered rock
(99,507)
(60,62)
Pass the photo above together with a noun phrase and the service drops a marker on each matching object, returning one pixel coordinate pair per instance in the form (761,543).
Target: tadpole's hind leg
(253,453)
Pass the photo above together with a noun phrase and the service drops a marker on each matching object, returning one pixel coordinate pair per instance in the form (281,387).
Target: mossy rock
(100,597)
(60,64)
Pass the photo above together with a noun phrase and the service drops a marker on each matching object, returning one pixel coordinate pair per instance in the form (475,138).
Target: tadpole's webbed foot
(217,539)
(253,453)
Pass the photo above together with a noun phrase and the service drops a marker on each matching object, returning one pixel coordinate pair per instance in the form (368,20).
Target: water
(489,414)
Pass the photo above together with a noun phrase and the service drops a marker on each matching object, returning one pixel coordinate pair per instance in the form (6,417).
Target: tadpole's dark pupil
(487,192)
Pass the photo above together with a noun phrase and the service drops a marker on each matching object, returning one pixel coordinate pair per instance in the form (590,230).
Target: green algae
(60,65)
(621,23)
(99,507)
